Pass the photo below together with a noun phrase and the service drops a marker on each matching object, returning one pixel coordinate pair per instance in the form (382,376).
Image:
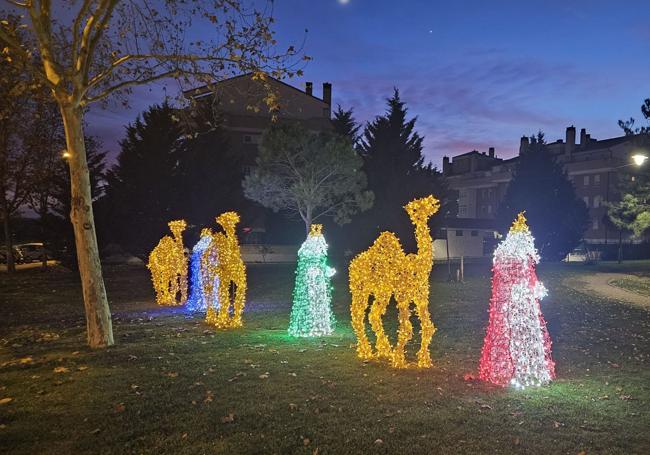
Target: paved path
(598,283)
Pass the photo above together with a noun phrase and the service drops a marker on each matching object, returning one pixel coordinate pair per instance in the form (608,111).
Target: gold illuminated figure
(384,271)
(168,266)
(223,259)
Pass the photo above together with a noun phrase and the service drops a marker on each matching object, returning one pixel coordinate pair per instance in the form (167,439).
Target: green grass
(172,383)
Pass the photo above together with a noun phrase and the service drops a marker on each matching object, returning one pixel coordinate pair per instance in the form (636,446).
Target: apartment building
(594,166)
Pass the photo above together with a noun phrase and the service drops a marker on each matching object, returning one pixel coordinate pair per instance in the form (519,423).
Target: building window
(586,199)
(489,209)
(585,180)
(594,224)
(462,210)
(474,233)
(597,201)
(597,179)
(459,232)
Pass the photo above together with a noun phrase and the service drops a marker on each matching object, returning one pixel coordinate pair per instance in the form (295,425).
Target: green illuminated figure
(311,313)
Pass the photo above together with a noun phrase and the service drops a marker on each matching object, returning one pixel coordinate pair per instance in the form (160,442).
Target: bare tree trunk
(98,314)
(11,266)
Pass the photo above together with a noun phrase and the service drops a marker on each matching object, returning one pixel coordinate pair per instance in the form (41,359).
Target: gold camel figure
(168,266)
(230,269)
(384,270)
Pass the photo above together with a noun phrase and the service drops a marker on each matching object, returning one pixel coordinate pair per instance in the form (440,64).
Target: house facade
(594,166)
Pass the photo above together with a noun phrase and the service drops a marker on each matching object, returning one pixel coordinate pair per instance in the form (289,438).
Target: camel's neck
(425,244)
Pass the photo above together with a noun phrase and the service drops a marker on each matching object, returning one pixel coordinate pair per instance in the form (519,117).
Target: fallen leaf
(228,419)
(265,375)
(5,400)
(61,370)
(305,442)
(378,441)
(120,407)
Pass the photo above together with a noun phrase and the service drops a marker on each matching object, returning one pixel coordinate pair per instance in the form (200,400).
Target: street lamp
(639,159)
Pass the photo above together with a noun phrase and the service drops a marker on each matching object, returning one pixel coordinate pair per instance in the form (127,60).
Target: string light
(517,346)
(384,271)
(168,266)
(223,267)
(197,301)
(311,312)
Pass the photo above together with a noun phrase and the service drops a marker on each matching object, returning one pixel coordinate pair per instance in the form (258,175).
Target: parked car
(18,255)
(33,251)
(583,254)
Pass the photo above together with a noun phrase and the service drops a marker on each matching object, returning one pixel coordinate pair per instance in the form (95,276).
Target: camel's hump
(387,240)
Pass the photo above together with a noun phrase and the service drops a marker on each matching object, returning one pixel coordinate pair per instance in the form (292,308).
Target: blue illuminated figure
(196,301)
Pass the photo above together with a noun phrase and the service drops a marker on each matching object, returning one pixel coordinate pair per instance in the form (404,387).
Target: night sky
(476,73)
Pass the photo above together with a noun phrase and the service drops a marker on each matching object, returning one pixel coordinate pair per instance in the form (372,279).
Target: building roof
(204,90)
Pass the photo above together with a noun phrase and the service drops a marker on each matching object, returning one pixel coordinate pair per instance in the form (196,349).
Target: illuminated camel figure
(229,269)
(168,266)
(384,270)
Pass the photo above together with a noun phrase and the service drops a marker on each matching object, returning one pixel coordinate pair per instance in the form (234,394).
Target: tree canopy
(308,174)
(397,173)
(540,187)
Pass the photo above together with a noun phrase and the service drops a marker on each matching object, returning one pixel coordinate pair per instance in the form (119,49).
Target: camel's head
(206,232)
(420,210)
(177,227)
(228,220)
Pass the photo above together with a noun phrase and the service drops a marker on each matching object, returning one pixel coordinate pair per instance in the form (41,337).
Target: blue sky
(476,73)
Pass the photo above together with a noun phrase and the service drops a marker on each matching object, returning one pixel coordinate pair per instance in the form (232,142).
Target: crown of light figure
(519,225)
(316,229)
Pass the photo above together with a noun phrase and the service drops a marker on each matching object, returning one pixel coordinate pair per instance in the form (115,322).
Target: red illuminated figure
(517,347)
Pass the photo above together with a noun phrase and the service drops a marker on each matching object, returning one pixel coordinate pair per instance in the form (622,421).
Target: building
(594,166)
(241,103)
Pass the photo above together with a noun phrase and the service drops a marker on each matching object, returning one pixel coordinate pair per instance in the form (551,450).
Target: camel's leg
(182,277)
(426,333)
(240,298)
(224,303)
(377,311)
(358,313)
(404,334)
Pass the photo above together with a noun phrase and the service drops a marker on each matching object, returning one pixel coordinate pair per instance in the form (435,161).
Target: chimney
(583,137)
(491,152)
(309,88)
(523,144)
(570,141)
(327,93)
(446,167)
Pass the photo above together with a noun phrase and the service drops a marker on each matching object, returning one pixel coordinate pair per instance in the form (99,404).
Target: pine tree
(540,187)
(517,346)
(142,187)
(395,165)
(345,124)
(311,313)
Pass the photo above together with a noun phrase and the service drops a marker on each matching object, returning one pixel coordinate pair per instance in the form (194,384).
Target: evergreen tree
(345,124)
(142,187)
(540,187)
(396,170)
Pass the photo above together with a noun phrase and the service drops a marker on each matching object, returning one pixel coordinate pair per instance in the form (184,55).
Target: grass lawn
(174,385)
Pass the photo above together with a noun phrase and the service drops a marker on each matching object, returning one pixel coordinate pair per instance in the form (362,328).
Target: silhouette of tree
(540,187)
(393,161)
(345,125)
(143,188)
(628,125)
